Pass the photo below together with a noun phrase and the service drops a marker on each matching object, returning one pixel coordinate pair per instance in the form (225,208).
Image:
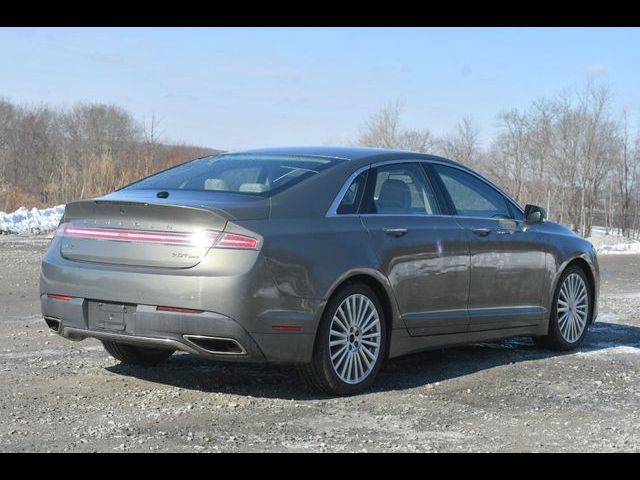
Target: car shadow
(416,370)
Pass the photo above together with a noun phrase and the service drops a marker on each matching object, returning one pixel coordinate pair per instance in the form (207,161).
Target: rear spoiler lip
(230,211)
(129,203)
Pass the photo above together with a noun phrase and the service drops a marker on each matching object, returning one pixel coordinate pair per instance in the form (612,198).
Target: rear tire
(570,312)
(132,355)
(350,344)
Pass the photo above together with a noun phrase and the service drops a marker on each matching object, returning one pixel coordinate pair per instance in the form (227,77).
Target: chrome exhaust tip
(53,323)
(216,345)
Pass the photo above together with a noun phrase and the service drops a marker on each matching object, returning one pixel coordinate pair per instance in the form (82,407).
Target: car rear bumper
(234,290)
(207,334)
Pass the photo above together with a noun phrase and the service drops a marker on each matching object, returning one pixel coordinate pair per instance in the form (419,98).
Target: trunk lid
(137,228)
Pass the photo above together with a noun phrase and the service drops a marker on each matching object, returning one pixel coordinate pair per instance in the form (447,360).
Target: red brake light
(233,240)
(203,239)
(64,298)
(178,309)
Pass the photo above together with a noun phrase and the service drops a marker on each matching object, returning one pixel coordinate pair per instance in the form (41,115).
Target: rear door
(507,260)
(422,252)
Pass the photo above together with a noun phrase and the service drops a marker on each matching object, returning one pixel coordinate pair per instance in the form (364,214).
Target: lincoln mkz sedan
(333,259)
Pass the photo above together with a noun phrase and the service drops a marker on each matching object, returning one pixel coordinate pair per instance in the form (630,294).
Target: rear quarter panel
(311,257)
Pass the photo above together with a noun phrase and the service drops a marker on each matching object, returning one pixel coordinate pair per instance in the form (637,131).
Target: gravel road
(58,395)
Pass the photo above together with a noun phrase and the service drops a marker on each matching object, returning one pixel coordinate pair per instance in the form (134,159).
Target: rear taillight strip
(204,239)
(232,240)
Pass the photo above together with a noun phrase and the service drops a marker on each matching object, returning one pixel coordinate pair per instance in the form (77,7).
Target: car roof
(345,153)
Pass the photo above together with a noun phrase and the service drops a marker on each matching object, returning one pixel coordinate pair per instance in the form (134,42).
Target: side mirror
(534,214)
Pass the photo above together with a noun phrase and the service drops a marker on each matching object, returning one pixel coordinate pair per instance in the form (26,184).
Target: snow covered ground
(31,221)
(612,243)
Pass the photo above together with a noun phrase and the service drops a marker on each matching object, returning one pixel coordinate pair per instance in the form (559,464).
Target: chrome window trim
(333,209)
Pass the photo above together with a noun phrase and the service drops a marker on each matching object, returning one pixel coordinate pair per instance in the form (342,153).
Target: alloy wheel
(355,338)
(573,308)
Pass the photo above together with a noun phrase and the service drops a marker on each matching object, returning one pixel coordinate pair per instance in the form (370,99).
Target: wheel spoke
(345,366)
(341,358)
(364,307)
(368,353)
(371,335)
(342,319)
(365,359)
(341,352)
(335,333)
(372,323)
(358,363)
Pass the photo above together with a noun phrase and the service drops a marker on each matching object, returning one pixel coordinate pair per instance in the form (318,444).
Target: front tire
(133,355)
(570,312)
(350,344)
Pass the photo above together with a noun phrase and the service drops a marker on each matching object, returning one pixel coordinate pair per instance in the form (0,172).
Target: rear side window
(352,197)
(399,189)
(471,196)
(239,173)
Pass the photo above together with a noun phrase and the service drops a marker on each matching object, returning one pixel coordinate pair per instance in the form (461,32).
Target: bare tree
(463,145)
(625,171)
(384,130)
(52,156)
(511,152)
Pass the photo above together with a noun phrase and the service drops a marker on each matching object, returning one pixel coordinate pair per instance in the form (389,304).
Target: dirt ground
(58,395)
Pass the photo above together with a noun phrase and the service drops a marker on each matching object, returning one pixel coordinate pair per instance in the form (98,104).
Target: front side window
(399,189)
(253,174)
(470,196)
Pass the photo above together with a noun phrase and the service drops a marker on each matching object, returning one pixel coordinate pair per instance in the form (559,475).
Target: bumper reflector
(286,328)
(64,298)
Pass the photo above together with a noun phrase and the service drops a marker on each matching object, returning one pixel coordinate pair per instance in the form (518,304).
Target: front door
(507,259)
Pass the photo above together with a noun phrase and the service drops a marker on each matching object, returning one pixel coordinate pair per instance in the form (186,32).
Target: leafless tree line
(572,154)
(50,156)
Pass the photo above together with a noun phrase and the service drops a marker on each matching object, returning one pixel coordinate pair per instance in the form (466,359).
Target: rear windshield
(239,173)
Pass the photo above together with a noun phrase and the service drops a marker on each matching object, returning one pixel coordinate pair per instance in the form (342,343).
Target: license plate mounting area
(117,317)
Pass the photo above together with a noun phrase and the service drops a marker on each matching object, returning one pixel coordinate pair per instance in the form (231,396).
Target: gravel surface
(509,396)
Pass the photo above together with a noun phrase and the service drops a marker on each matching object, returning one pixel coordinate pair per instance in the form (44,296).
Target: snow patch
(612,243)
(607,350)
(31,221)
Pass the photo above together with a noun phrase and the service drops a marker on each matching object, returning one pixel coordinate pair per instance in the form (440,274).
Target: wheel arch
(380,286)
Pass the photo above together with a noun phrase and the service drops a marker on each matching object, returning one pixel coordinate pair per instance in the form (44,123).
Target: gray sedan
(333,259)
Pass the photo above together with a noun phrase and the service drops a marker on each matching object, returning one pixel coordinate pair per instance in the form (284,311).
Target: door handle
(505,232)
(482,232)
(395,232)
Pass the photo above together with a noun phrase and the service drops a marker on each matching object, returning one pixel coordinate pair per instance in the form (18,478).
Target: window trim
(435,183)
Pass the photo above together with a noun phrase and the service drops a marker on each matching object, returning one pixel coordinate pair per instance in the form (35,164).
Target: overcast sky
(233,88)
